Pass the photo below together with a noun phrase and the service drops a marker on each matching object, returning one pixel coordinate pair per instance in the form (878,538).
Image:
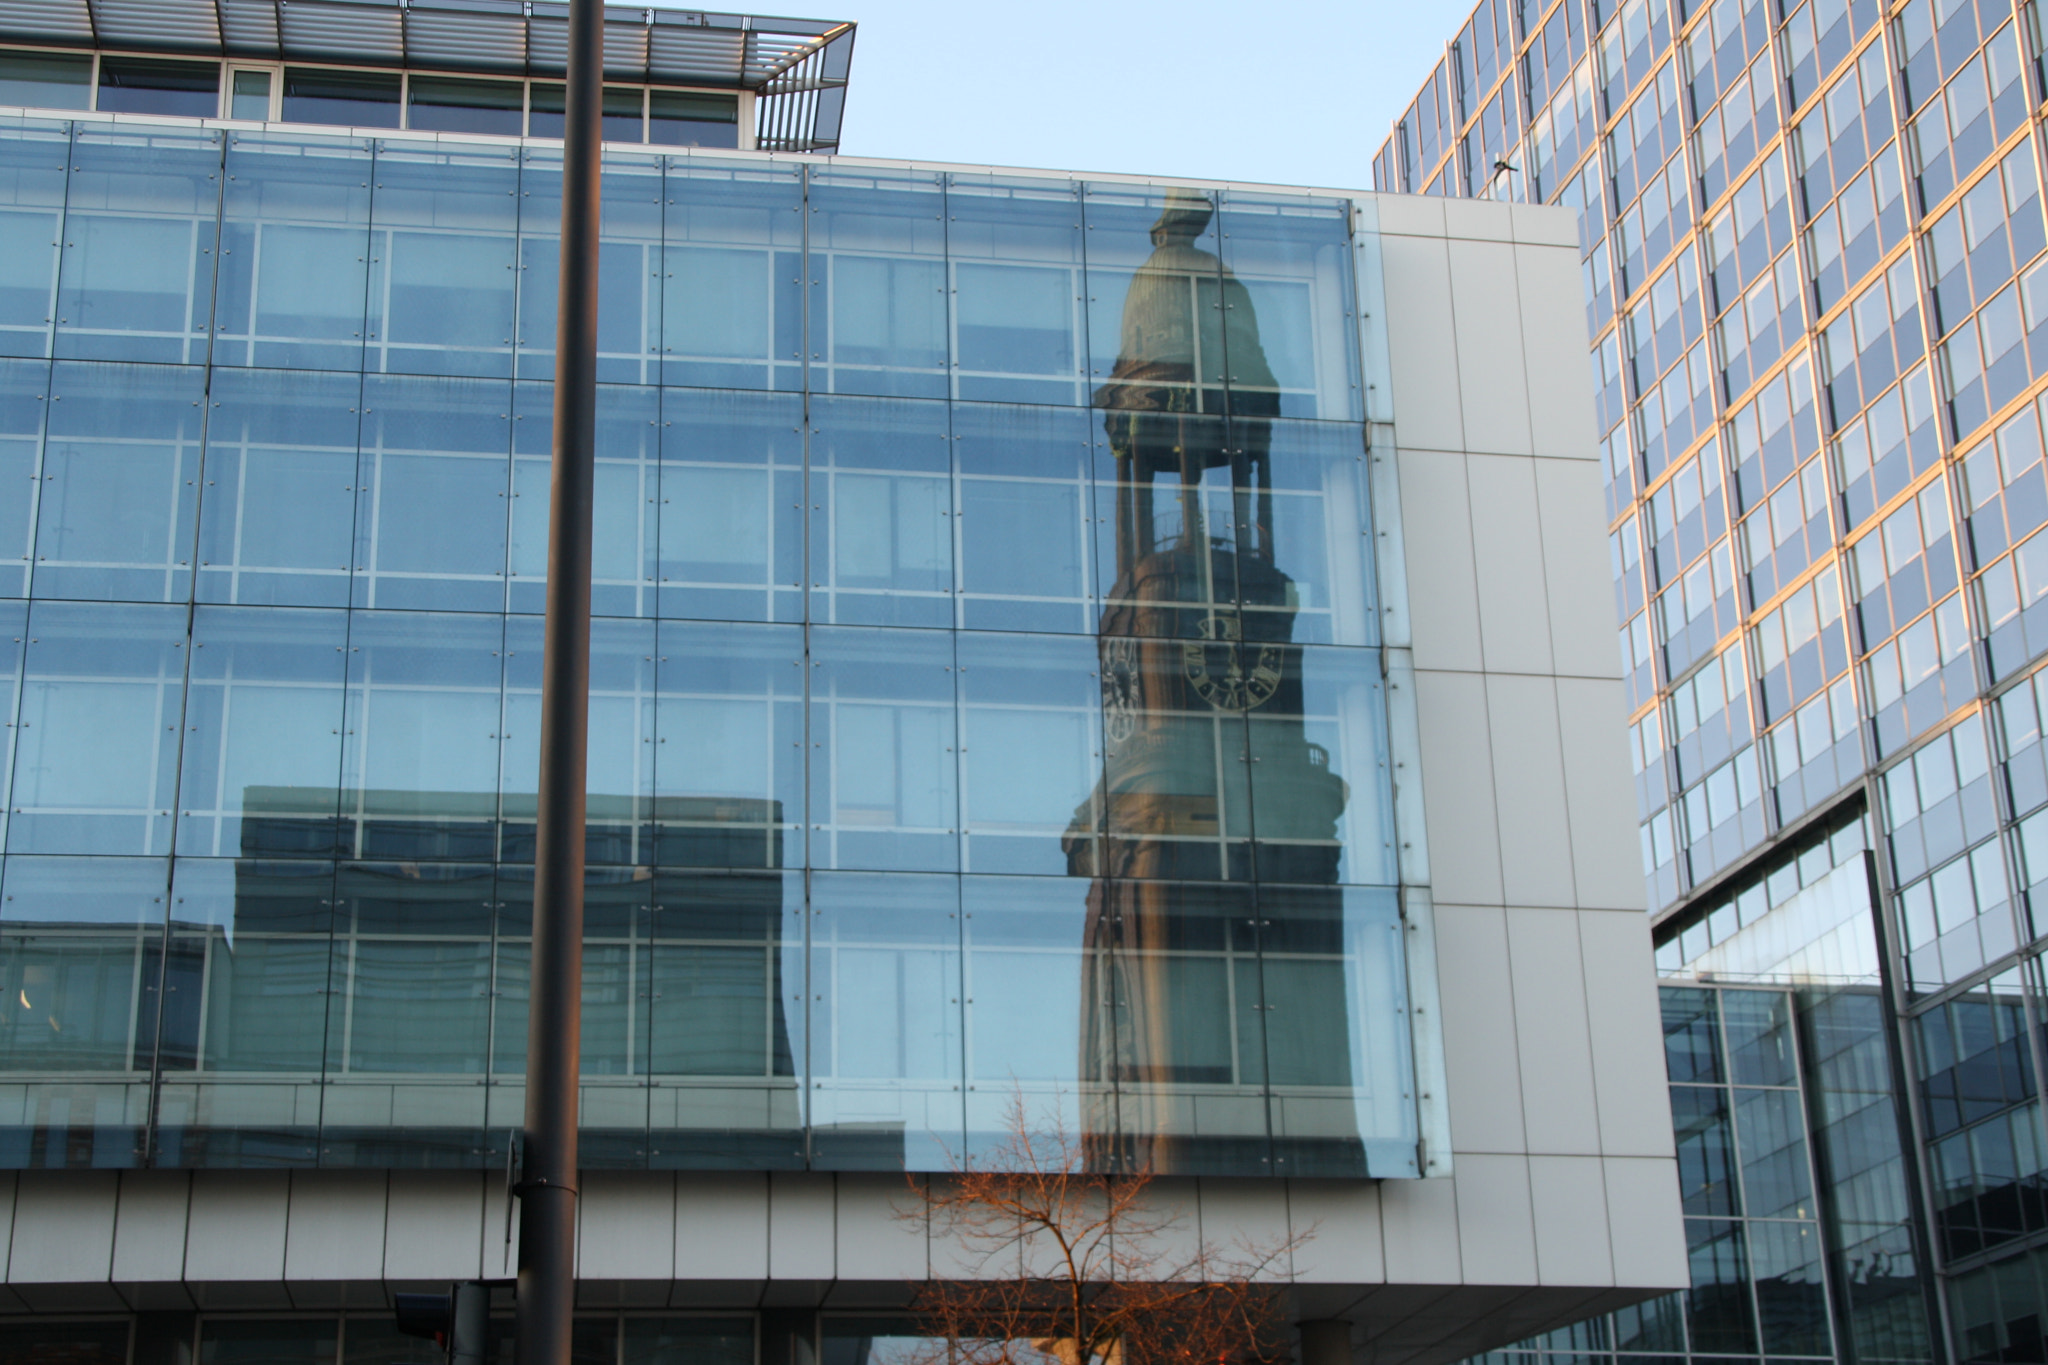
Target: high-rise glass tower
(1815,300)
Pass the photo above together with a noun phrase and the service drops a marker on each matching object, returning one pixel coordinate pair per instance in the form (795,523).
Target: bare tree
(1060,1265)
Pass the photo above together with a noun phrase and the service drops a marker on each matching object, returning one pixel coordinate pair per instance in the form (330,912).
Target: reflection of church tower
(1202,707)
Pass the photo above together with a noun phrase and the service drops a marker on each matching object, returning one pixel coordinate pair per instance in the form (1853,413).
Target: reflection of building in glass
(1003,687)
(1195,639)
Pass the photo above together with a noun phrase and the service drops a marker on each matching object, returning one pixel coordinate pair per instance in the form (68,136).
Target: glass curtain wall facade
(1812,236)
(986,696)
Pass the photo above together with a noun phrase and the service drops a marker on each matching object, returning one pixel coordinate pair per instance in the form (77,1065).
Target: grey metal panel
(157,23)
(46,21)
(368,33)
(249,26)
(697,54)
(465,41)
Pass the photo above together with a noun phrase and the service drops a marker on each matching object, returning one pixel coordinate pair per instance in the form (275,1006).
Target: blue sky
(1286,91)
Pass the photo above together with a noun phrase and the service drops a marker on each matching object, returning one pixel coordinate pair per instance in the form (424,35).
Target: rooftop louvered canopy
(800,63)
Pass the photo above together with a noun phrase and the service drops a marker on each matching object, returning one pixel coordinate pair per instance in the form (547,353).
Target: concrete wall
(1560,1197)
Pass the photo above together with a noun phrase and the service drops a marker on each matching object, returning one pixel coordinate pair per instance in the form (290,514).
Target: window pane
(885,1059)
(46,80)
(679,119)
(621,759)
(1026,514)
(729,765)
(277,515)
(878,287)
(883,774)
(882,516)
(443,229)
(621,113)
(627,481)
(136,85)
(732,489)
(263,720)
(1016,253)
(1339,1064)
(246,1019)
(1178,1027)
(352,99)
(1289,337)
(448,104)
(629,265)
(1031,745)
(119,468)
(32,164)
(295,258)
(139,231)
(24,388)
(421,745)
(727,1022)
(431,481)
(96,761)
(732,306)
(1032,977)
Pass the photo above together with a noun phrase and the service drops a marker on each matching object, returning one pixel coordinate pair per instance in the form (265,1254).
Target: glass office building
(1812,239)
(986,692)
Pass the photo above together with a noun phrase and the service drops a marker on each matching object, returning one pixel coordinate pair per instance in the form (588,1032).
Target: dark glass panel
(1706,1157)
(885,1028)
(688,1341)
(46,80)
(140,85)
(1179,1026)
(1718,1310)
(1317,745)
(453,104)
(246,1015)
(1692,1037)
(621,113)
(353,99)
(71,1343)
(1760,1048)
(677,118)
(1340,1078)
(241,1341)
(726,1016)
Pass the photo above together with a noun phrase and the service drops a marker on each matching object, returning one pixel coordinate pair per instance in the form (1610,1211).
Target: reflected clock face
(1119,690)
(1226,675)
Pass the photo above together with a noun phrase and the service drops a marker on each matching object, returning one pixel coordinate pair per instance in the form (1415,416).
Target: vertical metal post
(547,1185)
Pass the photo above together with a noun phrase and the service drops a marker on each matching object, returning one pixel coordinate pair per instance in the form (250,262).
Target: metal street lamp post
(547,1184)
